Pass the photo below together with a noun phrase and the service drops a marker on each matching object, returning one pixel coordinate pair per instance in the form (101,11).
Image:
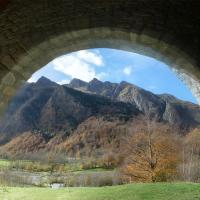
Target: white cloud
(62,82)
(90,57)
(79,65)
(127,70)
(32,80)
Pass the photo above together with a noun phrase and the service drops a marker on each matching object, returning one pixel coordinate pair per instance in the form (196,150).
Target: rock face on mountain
(160,107)
(48,107)
(55,109)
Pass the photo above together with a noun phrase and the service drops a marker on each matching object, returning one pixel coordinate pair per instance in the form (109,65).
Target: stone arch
(35,32)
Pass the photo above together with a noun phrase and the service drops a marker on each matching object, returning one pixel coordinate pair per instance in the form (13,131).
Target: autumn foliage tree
(151,155)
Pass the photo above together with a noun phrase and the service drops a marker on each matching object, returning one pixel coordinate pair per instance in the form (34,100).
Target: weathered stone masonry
(32,33)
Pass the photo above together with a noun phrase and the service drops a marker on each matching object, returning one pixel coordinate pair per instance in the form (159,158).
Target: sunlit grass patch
(159,191)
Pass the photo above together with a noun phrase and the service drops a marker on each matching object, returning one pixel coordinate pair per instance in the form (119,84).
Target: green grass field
(4,163)
(164,191)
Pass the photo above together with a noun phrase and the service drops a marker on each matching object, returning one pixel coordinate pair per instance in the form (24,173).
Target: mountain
(160,107)
(87,116)
(48,107)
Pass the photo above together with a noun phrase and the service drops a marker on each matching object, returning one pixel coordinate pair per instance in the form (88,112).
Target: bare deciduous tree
(151,155)
(190,167)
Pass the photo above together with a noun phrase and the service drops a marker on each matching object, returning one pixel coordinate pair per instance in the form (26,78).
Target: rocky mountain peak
(95,80)
(45,82)
(95,85)
(76,83)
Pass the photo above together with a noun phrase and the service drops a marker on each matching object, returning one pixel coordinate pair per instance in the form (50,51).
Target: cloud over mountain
(80,65)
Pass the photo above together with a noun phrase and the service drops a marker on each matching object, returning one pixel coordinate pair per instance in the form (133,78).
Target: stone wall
(34,32)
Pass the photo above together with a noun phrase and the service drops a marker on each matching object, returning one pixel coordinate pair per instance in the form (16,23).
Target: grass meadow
(158,191)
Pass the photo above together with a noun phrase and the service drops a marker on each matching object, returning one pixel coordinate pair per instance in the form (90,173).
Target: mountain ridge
(69,111)
(155,106)
(49,107)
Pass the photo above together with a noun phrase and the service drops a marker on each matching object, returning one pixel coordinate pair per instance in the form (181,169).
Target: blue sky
(115,66)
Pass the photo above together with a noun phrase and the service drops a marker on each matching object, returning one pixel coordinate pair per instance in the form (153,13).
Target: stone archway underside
(35,32)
